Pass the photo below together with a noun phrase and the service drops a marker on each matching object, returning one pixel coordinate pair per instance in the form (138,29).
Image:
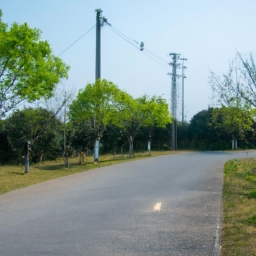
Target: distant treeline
(46,133)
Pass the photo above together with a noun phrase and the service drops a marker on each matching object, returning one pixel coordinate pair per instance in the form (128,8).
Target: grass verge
(239,208)
(12,176)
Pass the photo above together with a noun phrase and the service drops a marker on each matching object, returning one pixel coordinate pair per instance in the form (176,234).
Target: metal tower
(175,57)
(183,77)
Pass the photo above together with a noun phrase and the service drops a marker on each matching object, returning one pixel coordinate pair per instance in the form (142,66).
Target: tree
(199,130)
(5,150)
(127,117)
(28,69)
(236,93)
(142,112)
(154,112)
(40,127)
(183,135)
(96,104)
(237,88)
(104,105)
(205,134)
(233,121)
(215,128)
(58,104)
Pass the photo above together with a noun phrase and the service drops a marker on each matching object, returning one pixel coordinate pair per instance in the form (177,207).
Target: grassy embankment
(12,176)
(239,208)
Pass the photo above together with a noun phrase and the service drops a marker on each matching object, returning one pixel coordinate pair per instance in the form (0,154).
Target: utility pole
(175,57)
(100,21)
(65,150)
(183,77)
(98,44)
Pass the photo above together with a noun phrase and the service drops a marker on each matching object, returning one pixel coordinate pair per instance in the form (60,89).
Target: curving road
(166,205)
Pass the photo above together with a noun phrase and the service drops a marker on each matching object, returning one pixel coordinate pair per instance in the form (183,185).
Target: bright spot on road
(158,207)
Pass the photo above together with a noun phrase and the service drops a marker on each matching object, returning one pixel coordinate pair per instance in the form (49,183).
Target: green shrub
(252,194)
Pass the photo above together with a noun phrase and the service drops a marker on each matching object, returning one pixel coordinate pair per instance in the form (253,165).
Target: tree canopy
(97,104)
(103,104)
(28,69)
(236,88)
(40,127)
(236,93)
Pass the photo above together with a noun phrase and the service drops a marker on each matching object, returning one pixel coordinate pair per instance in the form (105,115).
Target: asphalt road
(166,205)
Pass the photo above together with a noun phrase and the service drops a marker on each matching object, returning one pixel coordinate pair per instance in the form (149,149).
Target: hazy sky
(208,33)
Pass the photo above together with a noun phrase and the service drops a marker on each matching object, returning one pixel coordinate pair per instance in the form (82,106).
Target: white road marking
(158,207)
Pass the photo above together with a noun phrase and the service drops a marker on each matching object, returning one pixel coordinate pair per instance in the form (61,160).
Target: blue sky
(208,33)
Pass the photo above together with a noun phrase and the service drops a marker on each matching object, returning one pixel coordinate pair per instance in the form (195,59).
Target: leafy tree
(215,128)
(28,69)
(80,135)
(233,121)
(127,118)
(38,126)
(58,104)
(112,140)
(237,88)
(161,138)
(199,129)
(96,104)
(142,112)
(6,153)
(104,105)
(154,113)
(236,92)
(204,134)
(183,135)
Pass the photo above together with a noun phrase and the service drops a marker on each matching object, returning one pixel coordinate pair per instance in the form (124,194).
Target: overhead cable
(77,39)
(135,44)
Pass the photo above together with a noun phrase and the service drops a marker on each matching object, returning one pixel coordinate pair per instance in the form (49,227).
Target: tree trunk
(149,147)
(130,148)
(81,160)
(65,158)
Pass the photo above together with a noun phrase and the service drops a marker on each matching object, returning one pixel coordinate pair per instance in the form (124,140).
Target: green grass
(239,208)
(12,176)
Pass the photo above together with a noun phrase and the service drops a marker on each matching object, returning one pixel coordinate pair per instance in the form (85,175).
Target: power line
(77,39)
(157,56)
(153,59)
(147,52)
(127,39)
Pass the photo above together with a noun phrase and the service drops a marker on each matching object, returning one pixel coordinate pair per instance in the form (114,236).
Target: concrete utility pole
(183,77)
(100,21)
(98,43)
(175,57)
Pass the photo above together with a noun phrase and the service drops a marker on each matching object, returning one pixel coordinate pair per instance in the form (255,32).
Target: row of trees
(235,92)
(29,71)
(103,105)
(101,112)
(235,116)
(211,129)
(104,112)
(215,128)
